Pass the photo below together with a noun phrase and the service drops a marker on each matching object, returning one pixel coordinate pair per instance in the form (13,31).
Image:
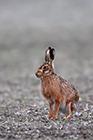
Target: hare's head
(44,70)
(47,68)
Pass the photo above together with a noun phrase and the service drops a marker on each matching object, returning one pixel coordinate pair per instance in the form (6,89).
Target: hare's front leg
(56,110)
(51,103)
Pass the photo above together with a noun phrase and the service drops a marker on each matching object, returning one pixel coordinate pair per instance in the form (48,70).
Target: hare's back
(67,88)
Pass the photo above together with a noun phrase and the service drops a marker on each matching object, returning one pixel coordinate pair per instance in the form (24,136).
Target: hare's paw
(49,115)
(53,116)
(68,117)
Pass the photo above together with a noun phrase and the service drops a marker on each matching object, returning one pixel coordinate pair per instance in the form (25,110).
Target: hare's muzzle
(38,73)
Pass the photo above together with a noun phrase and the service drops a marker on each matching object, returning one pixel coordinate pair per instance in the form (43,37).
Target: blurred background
(27,28)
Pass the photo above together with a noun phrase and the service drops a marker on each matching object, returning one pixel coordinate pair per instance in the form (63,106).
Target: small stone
(86,107)
(78,114)
(85,115)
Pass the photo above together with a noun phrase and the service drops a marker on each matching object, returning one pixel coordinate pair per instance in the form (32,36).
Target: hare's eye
(45,67)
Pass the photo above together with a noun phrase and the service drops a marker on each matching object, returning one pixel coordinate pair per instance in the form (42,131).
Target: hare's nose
(38,73)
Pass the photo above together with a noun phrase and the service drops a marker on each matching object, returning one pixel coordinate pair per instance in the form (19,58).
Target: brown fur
(57,90)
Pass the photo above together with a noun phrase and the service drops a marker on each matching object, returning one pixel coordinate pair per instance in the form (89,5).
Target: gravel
(21,121)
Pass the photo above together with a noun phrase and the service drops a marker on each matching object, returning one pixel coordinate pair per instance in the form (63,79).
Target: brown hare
(55,89)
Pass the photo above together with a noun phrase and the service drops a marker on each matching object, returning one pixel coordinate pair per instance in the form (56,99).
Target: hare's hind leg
(73,107)
(69,111)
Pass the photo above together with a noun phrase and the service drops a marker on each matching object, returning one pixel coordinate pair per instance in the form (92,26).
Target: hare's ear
(49,55)
(52,54)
